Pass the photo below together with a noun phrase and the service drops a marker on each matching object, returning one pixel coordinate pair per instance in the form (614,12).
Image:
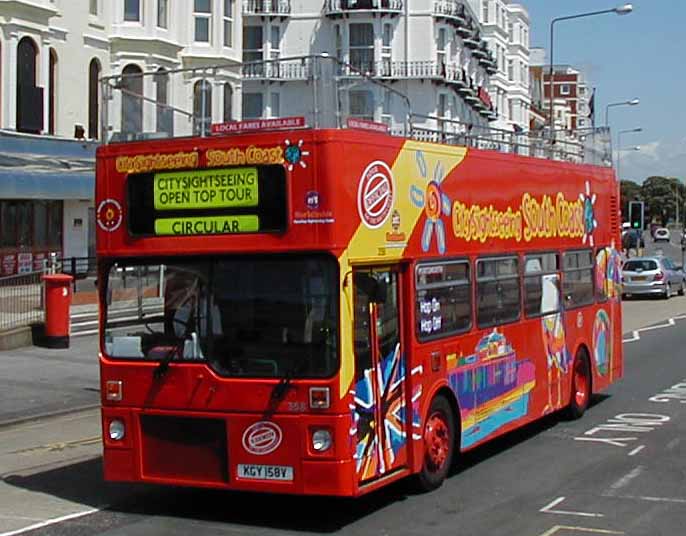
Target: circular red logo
(261,438)
(109,215)
(375,194)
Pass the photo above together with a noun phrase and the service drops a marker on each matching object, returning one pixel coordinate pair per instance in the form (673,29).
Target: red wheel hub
(436,440)
(581,385)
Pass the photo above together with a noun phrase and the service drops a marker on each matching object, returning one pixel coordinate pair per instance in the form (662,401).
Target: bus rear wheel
(439,444)
(581,386)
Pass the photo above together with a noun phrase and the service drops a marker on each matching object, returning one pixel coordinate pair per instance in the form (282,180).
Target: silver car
(652,275)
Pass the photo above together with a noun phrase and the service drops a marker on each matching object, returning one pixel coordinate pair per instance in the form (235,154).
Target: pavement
(37,382)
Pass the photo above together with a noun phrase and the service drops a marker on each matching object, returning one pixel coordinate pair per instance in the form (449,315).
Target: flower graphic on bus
(294,153)
(433,201)
(590,223)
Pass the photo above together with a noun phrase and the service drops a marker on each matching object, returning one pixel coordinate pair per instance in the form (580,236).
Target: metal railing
(325,92)
(266,7)
(591,147)
(21,300)
(339,6)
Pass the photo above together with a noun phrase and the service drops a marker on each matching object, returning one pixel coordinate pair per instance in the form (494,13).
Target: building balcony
(340,8)
(266,8)
(452,11)
(283,71)
(473,41)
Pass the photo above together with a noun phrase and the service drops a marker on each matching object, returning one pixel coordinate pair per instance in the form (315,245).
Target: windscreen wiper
(281,388)
(163,366)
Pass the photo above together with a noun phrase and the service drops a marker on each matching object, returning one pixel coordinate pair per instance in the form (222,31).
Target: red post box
(57,315)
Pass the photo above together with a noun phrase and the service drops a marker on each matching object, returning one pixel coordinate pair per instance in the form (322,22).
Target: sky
(640,55)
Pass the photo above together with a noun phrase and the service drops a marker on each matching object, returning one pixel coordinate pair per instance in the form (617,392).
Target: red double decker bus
(325,311)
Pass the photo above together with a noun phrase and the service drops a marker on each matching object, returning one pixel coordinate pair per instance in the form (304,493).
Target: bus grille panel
(184,448)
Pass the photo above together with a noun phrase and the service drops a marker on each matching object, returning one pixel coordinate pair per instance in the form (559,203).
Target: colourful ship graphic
(492,387)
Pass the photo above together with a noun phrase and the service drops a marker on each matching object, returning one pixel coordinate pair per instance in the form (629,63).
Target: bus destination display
(235,200)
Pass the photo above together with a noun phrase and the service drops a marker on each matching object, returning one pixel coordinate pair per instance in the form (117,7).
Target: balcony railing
(339,7)
(278,71)
(451,10)
(267,7)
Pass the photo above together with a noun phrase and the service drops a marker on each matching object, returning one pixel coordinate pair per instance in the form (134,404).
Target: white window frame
(140,9)
(274,48)
(565,89)
(202,15)
(165,22)
(228,22)
(93,8)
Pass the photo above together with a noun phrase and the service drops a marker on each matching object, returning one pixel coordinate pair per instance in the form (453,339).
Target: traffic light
(636,214)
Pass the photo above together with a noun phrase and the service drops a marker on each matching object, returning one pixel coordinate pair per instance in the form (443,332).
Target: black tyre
(668,292)
(439,445)
(581,386)
(682,288)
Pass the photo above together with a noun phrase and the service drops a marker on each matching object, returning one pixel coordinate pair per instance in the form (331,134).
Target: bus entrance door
(380,414)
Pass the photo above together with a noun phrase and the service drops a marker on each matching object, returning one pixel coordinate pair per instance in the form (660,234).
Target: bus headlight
(321,440)
(117,430)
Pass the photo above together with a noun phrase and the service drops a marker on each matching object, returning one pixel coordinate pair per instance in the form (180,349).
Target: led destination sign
(208,225)
(210,201)
(208,188)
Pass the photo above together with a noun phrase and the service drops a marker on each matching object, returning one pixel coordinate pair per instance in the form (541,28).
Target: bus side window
(498,291)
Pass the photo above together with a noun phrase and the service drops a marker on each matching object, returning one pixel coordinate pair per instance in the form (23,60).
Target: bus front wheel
(439,444)
(581,386)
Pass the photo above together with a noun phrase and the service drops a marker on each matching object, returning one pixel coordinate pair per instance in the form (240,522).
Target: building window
(33,226)
(275,43)
(275,105)
(228,102)
(52,91)
(162,13)
(440,47)
(252,105)
(131,100)
(386,48)
(497,291)
(252,44)
(202,107)
(93,98)
(29,96)
(132,10)
(510,31)
(362,104)
(564,89)
(164,114)
(442,105)
(485,12)
(93,7)
(510,70)
(228,23)
(362,46)
(386,116)
(338,38)
(202,15)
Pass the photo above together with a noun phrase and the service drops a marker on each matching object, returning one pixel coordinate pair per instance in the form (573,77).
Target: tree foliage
(660,195)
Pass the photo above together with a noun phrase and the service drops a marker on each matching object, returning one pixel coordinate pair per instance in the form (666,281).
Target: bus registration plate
(265,472)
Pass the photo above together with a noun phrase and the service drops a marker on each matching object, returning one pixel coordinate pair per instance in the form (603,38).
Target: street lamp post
(621,10)
(619,146)
(632,102)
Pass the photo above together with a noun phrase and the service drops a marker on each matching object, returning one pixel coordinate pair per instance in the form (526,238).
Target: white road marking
(676,500)
(635,337)
(51,522)
(670,323)
(558,528)
(548,509)
(624,481)
(637,450)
